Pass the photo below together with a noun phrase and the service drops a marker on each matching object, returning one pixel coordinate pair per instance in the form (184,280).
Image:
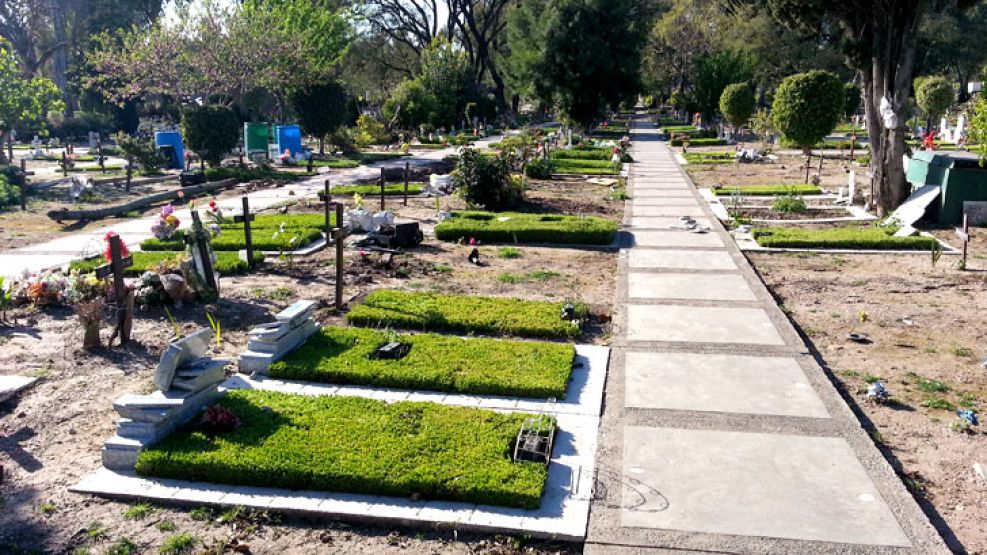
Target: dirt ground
(50,437)
(929,340)
(788,169)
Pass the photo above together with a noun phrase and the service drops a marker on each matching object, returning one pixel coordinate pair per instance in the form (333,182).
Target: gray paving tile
(650,211)
(637,202)
(805,488)
(700,287)
(720,383)
(664,222)
(681,239)
(681,259)
(683,192)
(691,324)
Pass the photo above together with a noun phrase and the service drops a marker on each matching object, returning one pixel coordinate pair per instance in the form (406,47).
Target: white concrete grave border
(563,514)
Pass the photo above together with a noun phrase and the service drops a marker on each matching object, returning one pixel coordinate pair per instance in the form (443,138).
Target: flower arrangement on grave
(358,201)
(219,420)
(167,223)
(215,215)
(285,157)
(124,251)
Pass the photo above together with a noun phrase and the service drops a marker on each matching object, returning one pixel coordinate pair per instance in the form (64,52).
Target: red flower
(213,206)
(472,241)
(107,253)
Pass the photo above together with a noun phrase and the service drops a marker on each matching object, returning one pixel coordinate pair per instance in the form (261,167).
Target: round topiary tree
(807,107)
(852,98)
(737,104)
(210,131)
(934,95)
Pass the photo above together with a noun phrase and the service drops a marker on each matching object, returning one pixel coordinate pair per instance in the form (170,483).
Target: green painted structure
(960,176)
(256,136)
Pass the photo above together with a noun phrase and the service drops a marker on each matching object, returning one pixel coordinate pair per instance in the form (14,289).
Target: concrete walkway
(721,432)
(61,251)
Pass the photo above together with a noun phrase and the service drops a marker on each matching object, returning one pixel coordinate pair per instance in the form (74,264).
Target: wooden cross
(245,219)
(964,234)
(338,236)
(326,198)
(407,177)
(124,303)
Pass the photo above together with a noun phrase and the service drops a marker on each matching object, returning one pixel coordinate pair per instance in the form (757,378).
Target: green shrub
(227,262)
(485,181)
(10,194)
(435,363)
(867,238)
(790,203)
(210,131)
(509,227)
(539,168)
(807,106)
(370,190)
(934,95)
(769,190)
(429,312)
(142,152)
(356,445)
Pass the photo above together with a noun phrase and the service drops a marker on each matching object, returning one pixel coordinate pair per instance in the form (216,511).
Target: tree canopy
(24,101)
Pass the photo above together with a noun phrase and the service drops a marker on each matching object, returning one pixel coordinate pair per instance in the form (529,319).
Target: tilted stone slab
(12,385)
(202,374)
(269,333)
(296,313)
(179,354)
(160,406)
(286,342)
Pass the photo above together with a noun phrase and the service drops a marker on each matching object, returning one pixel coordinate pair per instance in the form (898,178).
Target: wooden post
(130,173)
(99,153)
(124,306)
(246,218)
(853,145)
(327,200)
(311,163)
(382,182)
(821,158)
(339,236)
(23,184)
(964,235)
(407,177)
(808,166)
(65,164)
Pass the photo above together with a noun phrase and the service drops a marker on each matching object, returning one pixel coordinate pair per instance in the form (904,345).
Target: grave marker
(407,177)
(339,234)
(22,182)
(199,240)
(124,300)
(964,234)
(246,218)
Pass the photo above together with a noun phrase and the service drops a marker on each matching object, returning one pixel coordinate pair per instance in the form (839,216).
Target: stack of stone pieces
(187,381)
(269,343)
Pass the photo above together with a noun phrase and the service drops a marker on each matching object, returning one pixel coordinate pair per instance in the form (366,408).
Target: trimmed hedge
(769,190)
(248,174)
(584,167)
(227,262)
(336,163)
(356,445)
(698,142)
(370,190)
(509,227)
(435,363)
(710,157)
(430,312)
(604,154)
(868,238)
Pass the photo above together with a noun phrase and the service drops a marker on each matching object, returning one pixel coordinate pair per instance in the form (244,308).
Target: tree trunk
(893,39)
(3,154)
(59,59)
(322,144)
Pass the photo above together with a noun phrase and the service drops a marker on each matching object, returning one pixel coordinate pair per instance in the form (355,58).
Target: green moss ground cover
(356,445)
(769,190)
(604,154)
(453,313)
(370,190)
(249,174)
(307,227)
(509,227)
(696,142)
(709,157)
(435,363)
(227,262)
(867,238)
(584,167)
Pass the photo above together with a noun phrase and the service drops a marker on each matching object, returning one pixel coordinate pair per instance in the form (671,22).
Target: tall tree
(586,58)
(881,39)
(321,109)
(24,101)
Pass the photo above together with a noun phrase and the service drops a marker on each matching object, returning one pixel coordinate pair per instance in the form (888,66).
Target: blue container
(170,142)
(289,137)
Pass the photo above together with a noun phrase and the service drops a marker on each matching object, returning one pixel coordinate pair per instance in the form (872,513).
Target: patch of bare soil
(50,438)
(768,213)
(788,169)
(929,338)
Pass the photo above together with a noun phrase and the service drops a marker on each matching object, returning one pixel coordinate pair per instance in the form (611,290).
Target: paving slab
(665,222)
(753,484)
(720,383)
(698,287)
(650,211)
(693,324)
(681,259)
(683,192)
(691,201)
(681,239)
